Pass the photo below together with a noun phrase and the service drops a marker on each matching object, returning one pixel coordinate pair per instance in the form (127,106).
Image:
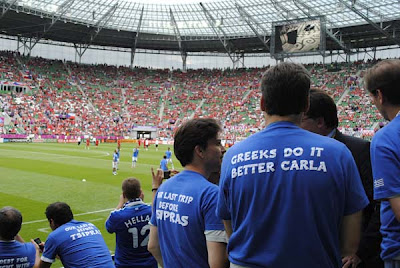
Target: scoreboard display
(298,37)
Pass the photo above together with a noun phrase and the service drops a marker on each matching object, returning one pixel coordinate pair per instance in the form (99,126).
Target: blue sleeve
(385,168)
(50,250)
(153,220)
(208,206)
(355,197)
(31,252)
(110,223)
(222,210)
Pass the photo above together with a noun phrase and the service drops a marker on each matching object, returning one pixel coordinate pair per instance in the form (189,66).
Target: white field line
(58,156)
(80,214)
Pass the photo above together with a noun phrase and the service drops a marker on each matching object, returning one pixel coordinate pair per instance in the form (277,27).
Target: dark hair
(285,89)
(60,212)
(10,222)
(322,105)
(385,76)
(192,133)
(131,188)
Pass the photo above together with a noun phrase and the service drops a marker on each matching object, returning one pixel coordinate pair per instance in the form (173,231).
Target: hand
(157,178)
(351,261)
(121,201)
(39,247)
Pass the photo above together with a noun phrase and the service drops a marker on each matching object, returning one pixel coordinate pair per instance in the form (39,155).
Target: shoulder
(350,141)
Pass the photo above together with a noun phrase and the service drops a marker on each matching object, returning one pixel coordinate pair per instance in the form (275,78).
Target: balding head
(10,223)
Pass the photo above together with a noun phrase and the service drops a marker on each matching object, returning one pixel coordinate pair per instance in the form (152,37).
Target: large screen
(301,36)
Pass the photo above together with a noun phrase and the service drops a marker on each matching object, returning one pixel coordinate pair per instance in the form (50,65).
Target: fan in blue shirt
(130,223)
(13,251)
(185,231)
(78,244)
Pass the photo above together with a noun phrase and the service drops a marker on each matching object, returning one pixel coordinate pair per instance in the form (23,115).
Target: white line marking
(80,214)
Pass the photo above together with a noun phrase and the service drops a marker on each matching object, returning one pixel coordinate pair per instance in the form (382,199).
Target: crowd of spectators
(72,99)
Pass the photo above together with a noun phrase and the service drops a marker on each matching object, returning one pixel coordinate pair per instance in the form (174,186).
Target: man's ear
(198,151)
(262,104)
(320,122)
(380,96)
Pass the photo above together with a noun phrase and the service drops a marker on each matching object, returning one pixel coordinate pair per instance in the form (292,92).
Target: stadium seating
(72,99)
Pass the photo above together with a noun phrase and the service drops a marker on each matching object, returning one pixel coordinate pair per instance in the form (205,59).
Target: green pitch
(35,175)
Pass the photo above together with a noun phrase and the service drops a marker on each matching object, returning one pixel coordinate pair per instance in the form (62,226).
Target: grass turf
(35,175)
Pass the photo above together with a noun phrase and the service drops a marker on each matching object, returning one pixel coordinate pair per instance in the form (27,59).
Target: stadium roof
(241,26)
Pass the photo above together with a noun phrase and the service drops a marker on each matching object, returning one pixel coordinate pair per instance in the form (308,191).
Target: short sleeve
(222,210)
(110,223)
(356,199)
(50,250)
(209,205)
(153,219)
(385,168)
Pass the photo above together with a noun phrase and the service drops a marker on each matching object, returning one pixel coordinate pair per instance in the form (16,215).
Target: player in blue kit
(185,231)
(289,197)
(135,155)
(164,163)
(115,162)
(168,154)
(130,223)
(77,243)
(382,82)
(13,251)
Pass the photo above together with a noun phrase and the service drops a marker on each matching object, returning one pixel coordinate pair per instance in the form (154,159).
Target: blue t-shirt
(184,209)
(135,152)
(16,254)
(385,159)
(79,244)
(131,227)
(164,164)
(115,157)
(168,154)
(286,191)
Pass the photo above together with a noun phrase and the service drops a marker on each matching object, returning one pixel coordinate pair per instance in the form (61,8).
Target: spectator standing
(382,81)
(321,118)
(185,231)
(287,195)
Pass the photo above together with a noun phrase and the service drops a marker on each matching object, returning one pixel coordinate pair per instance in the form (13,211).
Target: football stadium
(84,83)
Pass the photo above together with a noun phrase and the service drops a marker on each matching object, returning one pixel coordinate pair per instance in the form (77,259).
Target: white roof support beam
(7,8)
(289,15)
(229,48)
(373,24)
(134,45)
(179,38)
(100,24)
(306,10)
(62,9)
(250,21)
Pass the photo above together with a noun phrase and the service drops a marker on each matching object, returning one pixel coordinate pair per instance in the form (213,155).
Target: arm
(156,181)
(350,237)
(44,264)
(19,238)
(37,255)
(228,228)
(395,204)
(217,255)
(154,245)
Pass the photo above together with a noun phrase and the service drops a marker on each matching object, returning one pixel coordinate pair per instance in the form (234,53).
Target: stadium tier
(66,98)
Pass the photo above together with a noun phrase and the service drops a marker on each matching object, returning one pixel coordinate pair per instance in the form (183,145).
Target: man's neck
(392,112)
(294,118)
(197,169)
